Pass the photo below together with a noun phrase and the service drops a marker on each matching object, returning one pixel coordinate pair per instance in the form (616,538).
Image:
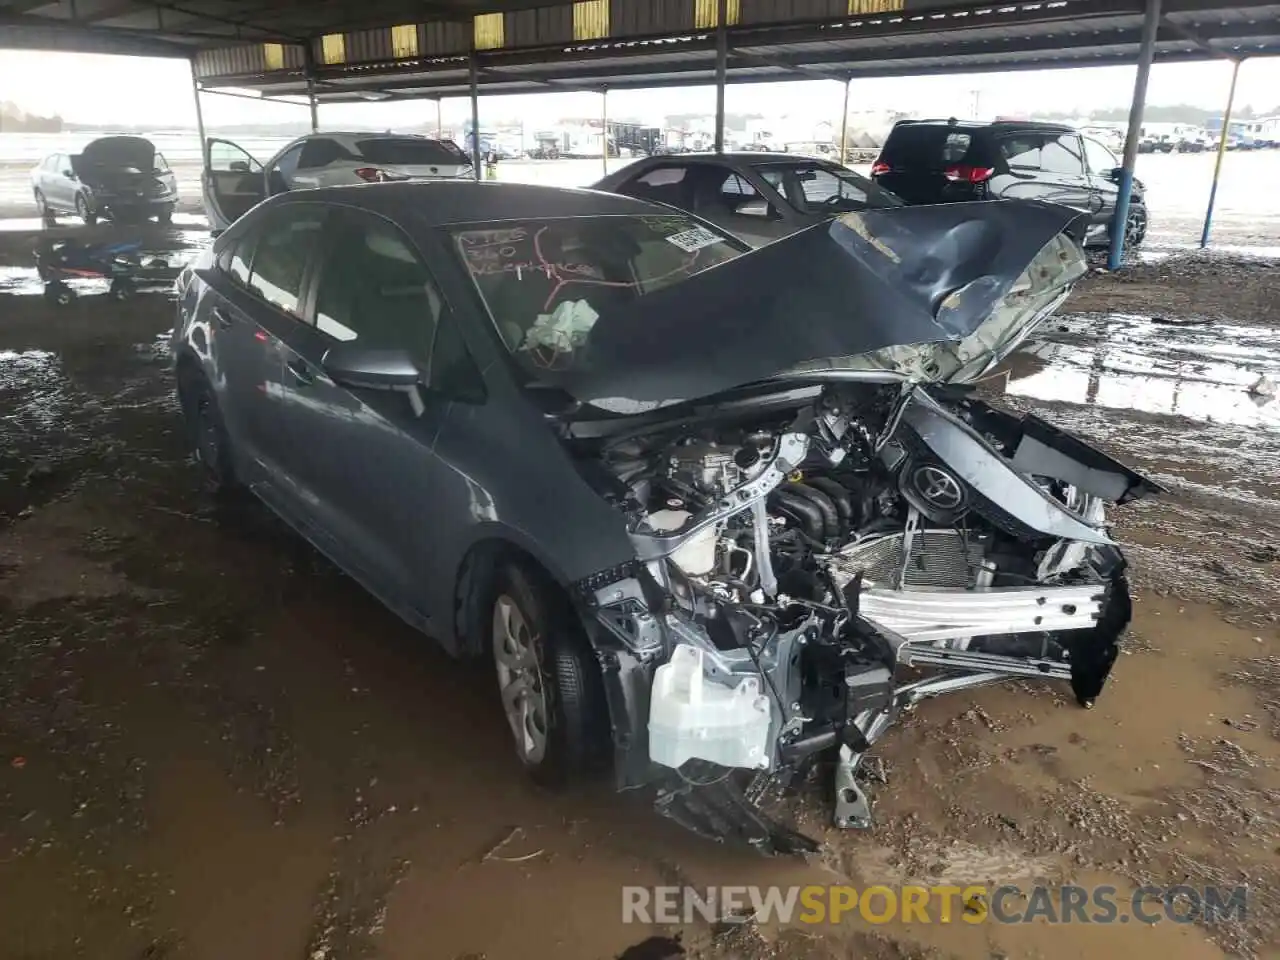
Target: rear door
(361,460)
(323,162)
(232,182)
(236,321)
(1043,165)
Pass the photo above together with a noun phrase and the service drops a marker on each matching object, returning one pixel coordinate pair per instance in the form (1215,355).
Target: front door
(361,461)
(232,182)
(1046,166)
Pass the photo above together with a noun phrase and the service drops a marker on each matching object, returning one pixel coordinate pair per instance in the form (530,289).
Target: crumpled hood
(862,292)
(119,152)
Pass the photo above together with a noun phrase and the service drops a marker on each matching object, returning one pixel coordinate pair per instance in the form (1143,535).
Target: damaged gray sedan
(714,514)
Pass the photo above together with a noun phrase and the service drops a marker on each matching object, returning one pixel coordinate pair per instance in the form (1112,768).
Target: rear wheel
(207,433)
(548,680)
(83,211)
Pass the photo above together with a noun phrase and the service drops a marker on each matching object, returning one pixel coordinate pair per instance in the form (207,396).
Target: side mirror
(1115,174)
(371,368)
(69,174)
(239,166)
(753,208)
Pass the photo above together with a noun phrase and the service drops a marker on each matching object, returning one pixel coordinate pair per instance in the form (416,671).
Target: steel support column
(722,63)
(195,95)
(475,116)
(604,130)
(1222,149)
(439,120)
(844,120)
(1150,26)
(309,69)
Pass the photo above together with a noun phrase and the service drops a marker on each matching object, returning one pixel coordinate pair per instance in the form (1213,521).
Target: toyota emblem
(938,487)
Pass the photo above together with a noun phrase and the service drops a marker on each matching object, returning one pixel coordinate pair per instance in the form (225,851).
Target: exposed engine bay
(815,557)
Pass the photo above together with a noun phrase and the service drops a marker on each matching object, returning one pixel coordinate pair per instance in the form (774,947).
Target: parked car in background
(602,444)
(758,197)
(234,180)
(121,178)
(946,161)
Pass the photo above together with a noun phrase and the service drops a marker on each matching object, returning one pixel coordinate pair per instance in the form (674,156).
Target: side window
(374,289)
(664,184)
(241,257)
(288,161)
(1062,155)
(736,188)
(1022,153)
(955,147)
(228,158)
(280,254)
(320,152)
(1101,160)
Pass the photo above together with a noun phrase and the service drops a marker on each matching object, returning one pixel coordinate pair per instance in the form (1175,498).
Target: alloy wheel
(524,699)
(1135,228)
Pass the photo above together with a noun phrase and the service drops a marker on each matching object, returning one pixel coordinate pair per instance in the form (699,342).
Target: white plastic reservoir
(690,718)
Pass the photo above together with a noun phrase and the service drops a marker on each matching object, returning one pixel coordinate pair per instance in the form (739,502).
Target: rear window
(925,146)
(410,151)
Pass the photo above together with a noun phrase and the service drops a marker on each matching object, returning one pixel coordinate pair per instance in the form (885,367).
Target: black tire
(121,290)
(207,436)
(1136,227)
(576,717)
(59,294)
(83,211)
(46,214)
(165,215)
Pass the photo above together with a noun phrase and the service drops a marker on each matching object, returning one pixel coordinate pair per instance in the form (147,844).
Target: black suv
(945,161)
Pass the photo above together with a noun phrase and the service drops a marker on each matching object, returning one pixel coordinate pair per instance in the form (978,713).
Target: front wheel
(1135,228)
(165,215)
(83,211)
(548,680)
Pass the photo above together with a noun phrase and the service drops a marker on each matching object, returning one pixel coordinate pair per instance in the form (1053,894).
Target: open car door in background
(233,182)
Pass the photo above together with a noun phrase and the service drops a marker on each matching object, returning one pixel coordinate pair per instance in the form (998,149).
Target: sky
(156,92)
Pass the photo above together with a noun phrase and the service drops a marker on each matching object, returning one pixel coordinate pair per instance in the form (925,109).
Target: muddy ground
(213,744)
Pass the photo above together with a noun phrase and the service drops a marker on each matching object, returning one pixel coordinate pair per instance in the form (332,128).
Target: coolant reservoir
(690,718)
(697,555)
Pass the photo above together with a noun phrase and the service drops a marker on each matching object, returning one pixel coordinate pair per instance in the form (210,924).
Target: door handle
(301,375)
(221,318)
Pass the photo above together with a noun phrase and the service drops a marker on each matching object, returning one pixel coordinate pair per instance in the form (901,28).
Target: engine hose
(800,509)
(841,497)
(830,516)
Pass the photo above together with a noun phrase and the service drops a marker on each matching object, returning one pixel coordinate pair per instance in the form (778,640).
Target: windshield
(410,151)
(822,188)
(546,282)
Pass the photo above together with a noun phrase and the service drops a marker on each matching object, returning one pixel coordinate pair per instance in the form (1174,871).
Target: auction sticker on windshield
(694,239)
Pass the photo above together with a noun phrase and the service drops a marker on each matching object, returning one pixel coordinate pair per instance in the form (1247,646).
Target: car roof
(749,157)
(366,135)
(438,203)
(997,126)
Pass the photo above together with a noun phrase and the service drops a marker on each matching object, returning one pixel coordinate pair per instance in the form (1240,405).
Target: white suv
(234,180)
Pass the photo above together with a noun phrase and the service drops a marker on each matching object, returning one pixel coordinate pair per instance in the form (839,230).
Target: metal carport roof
(384,49)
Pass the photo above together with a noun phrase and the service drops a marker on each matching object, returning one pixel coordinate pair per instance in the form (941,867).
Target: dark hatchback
(951,161)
